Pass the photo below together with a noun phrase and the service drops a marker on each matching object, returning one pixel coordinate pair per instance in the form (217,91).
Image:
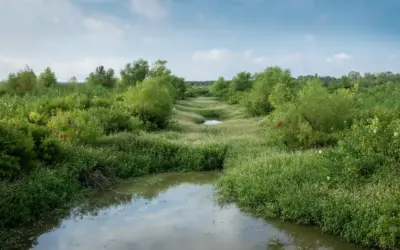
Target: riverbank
(102,163)
(259,177)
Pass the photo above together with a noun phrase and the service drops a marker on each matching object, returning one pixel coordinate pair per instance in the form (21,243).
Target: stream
(173,211)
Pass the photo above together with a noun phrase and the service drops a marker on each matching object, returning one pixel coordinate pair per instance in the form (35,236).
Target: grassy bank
(107,160)
(328,156)
(58,141)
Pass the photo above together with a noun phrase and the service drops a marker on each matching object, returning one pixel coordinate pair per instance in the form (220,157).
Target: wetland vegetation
(311,150)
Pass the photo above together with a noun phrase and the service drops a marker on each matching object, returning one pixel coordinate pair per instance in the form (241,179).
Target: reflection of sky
(212,122)
(183,217)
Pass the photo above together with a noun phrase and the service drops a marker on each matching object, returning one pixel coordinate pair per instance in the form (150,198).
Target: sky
(201,39)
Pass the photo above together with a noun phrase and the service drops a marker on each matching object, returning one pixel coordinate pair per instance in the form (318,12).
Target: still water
(174,211)
(211,122)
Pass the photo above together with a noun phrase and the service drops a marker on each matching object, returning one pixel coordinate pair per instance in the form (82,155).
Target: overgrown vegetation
(330,156)
(58,140)
(314,150)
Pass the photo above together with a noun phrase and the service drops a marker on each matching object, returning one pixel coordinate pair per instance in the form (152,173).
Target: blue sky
(201,39)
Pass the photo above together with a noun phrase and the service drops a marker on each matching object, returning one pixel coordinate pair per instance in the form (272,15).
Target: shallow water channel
(212,122)
(174,211)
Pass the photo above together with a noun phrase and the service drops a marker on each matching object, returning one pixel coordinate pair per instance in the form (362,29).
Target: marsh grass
(260,174)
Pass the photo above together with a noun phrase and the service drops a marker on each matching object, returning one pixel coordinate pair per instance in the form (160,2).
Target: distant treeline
(200,83)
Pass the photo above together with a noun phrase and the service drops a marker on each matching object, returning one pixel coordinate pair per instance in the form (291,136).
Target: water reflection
(212,122)
(173,212)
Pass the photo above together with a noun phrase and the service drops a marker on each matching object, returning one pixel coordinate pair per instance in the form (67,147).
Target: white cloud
(150,9)
(212,55)
(102,29)
(338,58)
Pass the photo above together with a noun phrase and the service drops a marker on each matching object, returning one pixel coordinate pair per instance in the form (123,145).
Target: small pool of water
(212,122)
(204,101)
(173,211)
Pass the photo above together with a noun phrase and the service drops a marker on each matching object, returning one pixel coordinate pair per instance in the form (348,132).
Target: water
(212,122)
(204,101)
(174,212)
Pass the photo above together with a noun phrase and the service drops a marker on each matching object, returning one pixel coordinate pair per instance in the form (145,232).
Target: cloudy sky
(201,39)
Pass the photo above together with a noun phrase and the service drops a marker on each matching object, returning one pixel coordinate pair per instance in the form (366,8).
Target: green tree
(259,102)
(47,78)
(159,68)
(134,72)
(73,80)
(179,85)
(102,77)
(22,82)
(241,82)
(219,87)
(151,101)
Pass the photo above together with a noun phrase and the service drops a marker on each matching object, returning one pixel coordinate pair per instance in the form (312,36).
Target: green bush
(102,77)
(23,82)
(17,149)
(47,78)
(314,117)
(219,88)
(115,119)
(76,125)
(258,101)
(134,72)
(151,101)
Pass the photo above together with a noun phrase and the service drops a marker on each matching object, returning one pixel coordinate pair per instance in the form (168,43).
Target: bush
(76,125)
(22,82)
(47,78)
(115,119)
(134,72)
(314,117)
(151,101)
(258,101)
(219,88)
(102,77)
(17,149)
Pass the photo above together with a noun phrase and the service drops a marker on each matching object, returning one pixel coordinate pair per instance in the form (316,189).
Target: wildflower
(320,151)
(395,134)
(328,178)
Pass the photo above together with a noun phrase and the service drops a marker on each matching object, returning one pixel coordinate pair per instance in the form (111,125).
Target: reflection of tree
(307,237)
(148,188)
(295,236)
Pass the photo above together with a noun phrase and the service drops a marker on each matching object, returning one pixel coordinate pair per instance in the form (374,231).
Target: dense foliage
(332,156)
(315,150)
(56,139)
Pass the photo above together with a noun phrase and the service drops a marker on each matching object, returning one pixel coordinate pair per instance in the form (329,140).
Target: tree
(73,80)
(353,75)
(159,68)
(179,87)
(134,72)
(102,77)
(259,102)
(47,78)
(241,82)
(22,82)
(151,101)
(219,87)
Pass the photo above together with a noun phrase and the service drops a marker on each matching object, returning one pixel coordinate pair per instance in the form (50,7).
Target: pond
(204,101)
(212,122)
(174,211)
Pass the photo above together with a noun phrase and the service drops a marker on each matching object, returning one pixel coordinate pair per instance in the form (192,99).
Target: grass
(261,177)
(302,186)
